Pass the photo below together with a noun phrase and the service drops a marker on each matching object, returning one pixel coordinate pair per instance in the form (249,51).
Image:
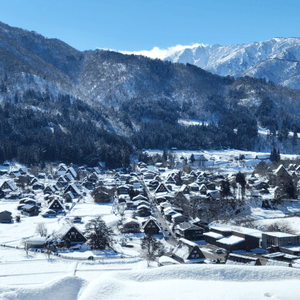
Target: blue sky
(135,25)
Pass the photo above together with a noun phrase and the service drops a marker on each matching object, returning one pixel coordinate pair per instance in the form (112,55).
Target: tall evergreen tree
(241,180)
(225,188)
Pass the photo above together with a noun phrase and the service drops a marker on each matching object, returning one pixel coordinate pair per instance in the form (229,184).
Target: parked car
(219,251)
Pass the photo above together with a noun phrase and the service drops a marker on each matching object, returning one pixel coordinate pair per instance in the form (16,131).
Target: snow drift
(66,288)
(174,282)
(207,282)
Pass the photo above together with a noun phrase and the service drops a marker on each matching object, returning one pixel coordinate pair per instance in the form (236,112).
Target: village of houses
(148,200)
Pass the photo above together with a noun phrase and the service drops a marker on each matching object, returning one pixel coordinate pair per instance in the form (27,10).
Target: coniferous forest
(61,104)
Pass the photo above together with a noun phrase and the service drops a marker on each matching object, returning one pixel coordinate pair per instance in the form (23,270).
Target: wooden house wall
(75,236)
(151,227)
(251,242)
(195,253)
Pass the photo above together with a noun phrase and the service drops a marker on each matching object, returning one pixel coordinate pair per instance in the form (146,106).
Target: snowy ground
(172,282)
(17,268)
(293,222)
(198,282)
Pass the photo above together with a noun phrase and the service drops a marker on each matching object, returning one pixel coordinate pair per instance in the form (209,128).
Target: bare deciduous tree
(282,226)
(26,246)
(41,229)
(151,248)
(47,252)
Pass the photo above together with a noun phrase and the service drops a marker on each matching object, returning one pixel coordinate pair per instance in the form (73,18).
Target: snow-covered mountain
(276,60)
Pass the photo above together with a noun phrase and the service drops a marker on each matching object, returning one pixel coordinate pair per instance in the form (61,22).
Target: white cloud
(161,53)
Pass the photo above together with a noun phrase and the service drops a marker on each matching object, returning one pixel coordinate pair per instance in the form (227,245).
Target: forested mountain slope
(103,105)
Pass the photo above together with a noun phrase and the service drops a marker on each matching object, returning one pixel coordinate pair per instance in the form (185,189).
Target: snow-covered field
(17,268)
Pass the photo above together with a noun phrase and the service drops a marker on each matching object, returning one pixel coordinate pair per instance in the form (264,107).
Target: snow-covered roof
(139,197)
(187,242)
(65,228)
(281,254)
(165,204)
(71,195)
(150,218)
(182,251)
(136,185)
(143,206)
(58,201)
(213,193)
(130,220)
(69,176)
(61,179)
(62,166)
(97,170)
(137,203)
(183,187)
(73,185)
(187,225)
(28,206)
(280,234)
(273,262)
(36,240)
(222,229)
(280,169)
(167,260)
(10,183)
(233,255)
(169,211)
(213,235)
(231,240)
(178,215)
(295,248)
(124,186)
(194,184)
(72,171)
(102,164)
(248,231)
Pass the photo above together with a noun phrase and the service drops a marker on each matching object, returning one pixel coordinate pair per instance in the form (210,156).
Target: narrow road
(166,231)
